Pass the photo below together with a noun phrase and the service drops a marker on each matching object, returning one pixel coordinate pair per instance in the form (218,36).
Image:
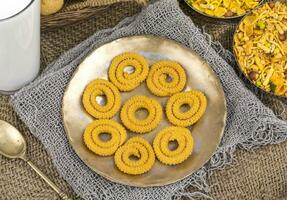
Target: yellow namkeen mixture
(224,8)
(260,45)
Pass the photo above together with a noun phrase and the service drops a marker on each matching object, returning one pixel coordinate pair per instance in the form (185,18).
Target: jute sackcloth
(261,174)
(72,5)
(76,10)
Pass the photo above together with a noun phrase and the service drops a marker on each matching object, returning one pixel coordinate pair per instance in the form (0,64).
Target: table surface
(258,174)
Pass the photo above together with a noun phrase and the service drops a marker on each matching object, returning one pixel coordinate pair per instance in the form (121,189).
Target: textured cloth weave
(249,122)
(77,5)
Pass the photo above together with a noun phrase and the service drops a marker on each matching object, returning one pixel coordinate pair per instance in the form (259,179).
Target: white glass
(19,43)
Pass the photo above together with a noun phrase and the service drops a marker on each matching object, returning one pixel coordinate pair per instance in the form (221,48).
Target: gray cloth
(249,123)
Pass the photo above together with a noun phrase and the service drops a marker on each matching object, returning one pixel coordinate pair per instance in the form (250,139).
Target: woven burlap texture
(249,123)
(258,174)
(80,4)
(75,10)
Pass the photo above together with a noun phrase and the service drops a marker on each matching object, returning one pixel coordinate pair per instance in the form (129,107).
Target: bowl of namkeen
(260,47)
(223,9)
(135,155)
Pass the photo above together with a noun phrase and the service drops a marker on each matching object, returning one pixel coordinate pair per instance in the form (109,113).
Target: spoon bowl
(12,143)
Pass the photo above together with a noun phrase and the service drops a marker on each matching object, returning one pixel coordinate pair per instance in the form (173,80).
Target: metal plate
(207,132)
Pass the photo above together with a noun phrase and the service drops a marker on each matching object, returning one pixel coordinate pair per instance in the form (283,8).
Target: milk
(19,43)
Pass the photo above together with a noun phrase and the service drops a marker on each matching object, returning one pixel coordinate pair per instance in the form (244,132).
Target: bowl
(260,47)
(189,3)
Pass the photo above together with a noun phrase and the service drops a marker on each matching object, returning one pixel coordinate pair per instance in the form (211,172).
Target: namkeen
(224,8)
(134,104)
(184,141)
(261,47)
(128,70)
(140,149)
(196,102)
(104,88)
(94,142)
(166,78)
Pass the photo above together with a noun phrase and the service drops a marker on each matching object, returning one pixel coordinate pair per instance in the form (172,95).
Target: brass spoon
(13,145)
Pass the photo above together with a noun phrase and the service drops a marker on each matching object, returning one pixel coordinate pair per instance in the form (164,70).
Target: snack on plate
(133,105)
(196,102)
(128,70)
(166,78)
(224,8)
(161,145)
(260,46)
(140,149)
(96,89)
(93,141)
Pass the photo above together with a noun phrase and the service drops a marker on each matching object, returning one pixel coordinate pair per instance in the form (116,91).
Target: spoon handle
(43,176)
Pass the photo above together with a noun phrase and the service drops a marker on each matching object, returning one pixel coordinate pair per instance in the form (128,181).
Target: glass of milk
(19,43)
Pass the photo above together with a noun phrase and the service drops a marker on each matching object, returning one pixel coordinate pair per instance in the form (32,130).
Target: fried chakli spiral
(160,72)
(101,87)
(104,148)
(184,140)
(139,148)
(197,102)
(137,125)
(125,81)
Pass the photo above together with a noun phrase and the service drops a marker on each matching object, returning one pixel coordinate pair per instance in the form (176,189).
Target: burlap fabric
(76,10)
(253,175)
(71,5)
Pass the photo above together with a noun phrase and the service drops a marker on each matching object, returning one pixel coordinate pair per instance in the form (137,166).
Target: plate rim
(110,178)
